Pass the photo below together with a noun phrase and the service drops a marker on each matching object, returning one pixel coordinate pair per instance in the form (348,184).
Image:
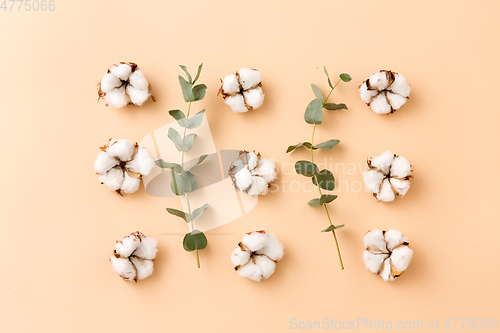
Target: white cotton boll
(104,162)
(147,248)
(251,271)
(117,98)
(365,94)
(123,267)
(265,265)
(113,179)
(142,162)
(386,193)
(400,186)
(400,167)
(379,80)
(383,161)
(374,262)
(267,170)
(121,71)
(385,273)
(373,179)
(259,186)
(254,97)
(249,78)
(252,160)
(375,241)
(395,100)
(138,81)
(401,258)
(380,105)
(239,257)
(243,179)
(130,184)
(137,96)
(255,241)
(109,82)
(144,267)
(394,238)
(127,245)
(230,84)
(237,103)
(123,149)
(272,248)
(400,86)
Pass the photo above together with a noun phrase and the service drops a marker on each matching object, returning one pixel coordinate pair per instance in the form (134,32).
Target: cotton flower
(387,253)
(121,165)
(256,255)
(124,84)
(385,91)
(388,177)
(252,174)
(243,91)
(133,256)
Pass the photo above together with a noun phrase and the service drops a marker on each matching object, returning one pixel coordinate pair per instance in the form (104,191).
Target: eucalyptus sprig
(323,179)
(183,181)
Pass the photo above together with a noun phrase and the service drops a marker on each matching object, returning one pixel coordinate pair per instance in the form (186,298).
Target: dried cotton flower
(252,174)
(123,84)
(121,164)
(385,91)
(389,176)
(133,256)
(387,253)
(243,91)
(256,255)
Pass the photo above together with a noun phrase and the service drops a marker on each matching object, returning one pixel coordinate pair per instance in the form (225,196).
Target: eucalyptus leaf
(198,73)
(190,178)
(184,68)
(327,198)
(187,91)
(180,214)
(327,144)
(333,106)
(195,121)
(317,92)
(314,202)
(189,140)
(200,160)
(199,211)
(177,139)
(195,240)
(180,117)
(345,77)
(314,112)
(333,227)
(199,92)
(293,147)
(306,168)
(179,184)
(328,77)
(308,145)
(325,179)
(166,165)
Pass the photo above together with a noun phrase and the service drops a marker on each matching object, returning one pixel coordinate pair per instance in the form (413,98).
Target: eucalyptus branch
(323,179)
(183,181)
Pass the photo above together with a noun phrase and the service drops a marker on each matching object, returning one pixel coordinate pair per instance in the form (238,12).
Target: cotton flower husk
(121,165)
(385,91)
(243,91)
(388,176)
(387,253)
(123,84)
(257,255)
(133,256)
(252,174)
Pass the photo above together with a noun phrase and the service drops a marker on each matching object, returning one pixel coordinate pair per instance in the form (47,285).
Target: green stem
(187,196)
(319,188)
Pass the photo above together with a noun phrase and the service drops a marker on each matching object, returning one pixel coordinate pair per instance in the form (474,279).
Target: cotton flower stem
(319,188)
(186,195)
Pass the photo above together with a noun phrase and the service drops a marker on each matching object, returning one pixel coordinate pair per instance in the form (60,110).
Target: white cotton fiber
(242,91)
(237,103)
(254,97)
(249,78)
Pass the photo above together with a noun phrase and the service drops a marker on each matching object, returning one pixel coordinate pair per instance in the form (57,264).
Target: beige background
(59,224)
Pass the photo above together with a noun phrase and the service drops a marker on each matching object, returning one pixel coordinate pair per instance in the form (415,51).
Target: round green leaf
(194,240)
(306,168)
(325,179)
(345,77)
(314,112)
